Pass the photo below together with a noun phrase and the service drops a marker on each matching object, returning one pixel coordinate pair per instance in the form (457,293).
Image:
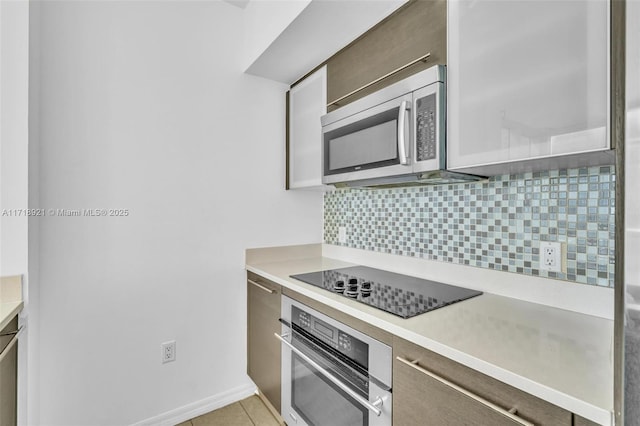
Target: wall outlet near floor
(342,235)
(168,351)
(553,256)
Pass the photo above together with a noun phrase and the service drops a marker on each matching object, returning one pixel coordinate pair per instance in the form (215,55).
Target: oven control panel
(333,337)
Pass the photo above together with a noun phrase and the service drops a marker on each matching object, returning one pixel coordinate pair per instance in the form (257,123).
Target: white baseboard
(198,408)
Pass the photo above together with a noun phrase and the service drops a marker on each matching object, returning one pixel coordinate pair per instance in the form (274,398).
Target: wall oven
(331,373)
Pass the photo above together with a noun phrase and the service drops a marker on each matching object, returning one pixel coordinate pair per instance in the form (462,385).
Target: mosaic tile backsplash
(496,224)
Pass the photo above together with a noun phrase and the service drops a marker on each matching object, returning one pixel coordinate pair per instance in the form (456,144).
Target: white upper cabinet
(527,84)
(307,103)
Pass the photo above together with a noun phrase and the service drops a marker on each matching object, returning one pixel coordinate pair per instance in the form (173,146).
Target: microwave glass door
(355,149)
(317,400)
(372,143)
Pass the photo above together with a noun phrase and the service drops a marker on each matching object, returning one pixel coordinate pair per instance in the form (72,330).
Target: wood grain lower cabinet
(8,375)
(581,421)
(437,391)
(263,349)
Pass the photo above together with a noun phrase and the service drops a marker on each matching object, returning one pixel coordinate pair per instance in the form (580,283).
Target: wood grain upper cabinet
(307,103)
(527,85)
(418,28)
(429,389)
(8,374)
(263,349)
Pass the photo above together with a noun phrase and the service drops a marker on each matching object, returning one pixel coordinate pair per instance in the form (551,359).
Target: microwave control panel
(426,120)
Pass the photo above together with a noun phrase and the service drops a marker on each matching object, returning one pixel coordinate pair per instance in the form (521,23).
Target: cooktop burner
(398,294)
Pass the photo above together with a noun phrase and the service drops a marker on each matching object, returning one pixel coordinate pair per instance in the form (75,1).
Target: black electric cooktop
(394,293)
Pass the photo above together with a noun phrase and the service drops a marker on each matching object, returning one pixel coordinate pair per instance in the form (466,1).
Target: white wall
(14,91)
(28,403)
(14,167)
(264,21)
(143,106)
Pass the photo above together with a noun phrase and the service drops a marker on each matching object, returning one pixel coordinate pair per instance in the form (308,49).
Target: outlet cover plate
(169,351)
(342,235)
(552,256)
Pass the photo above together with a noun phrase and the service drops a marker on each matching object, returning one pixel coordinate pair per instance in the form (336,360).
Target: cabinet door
(8,375)
(263,349)
(526,79)
(307,103)
(464,397)
(411,32)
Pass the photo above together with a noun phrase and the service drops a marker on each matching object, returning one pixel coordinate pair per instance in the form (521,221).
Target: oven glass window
(319,402)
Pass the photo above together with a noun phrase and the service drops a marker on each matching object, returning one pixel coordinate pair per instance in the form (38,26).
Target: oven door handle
(372,406)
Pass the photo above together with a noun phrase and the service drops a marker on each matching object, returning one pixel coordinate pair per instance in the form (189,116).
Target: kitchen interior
(360,212)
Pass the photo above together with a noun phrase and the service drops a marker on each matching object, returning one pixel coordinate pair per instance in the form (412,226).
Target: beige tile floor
(248,412)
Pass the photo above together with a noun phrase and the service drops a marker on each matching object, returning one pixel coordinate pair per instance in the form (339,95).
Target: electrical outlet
(168,351)
(552,257)
(342,235)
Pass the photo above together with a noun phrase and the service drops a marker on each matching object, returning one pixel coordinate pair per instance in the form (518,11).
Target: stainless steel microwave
(393,136)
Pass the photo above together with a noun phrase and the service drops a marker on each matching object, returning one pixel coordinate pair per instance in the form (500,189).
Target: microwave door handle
(402,146)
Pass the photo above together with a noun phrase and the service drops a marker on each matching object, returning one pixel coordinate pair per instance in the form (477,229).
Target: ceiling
(315,33)
(238,3)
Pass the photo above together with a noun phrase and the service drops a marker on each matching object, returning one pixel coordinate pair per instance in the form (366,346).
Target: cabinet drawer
(420,399)
(263,349)
(416,394)
(267,286)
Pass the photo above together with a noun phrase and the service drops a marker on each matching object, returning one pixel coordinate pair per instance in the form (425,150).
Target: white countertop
(560,356)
